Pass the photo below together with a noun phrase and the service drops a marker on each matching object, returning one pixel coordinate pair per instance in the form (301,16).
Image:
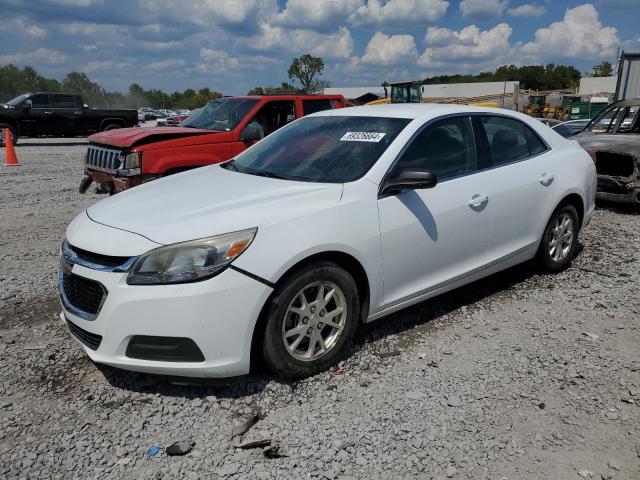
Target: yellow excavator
(401,92)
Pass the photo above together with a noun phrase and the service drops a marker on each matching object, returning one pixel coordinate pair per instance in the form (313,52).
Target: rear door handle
(48,113)
(477,200)
(546,179)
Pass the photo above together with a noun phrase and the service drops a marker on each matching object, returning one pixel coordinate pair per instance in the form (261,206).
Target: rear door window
(313,106)
(40,101)
(64,101)
(505,140)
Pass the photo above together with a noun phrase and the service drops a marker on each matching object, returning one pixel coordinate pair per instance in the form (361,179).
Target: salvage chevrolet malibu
(341,217)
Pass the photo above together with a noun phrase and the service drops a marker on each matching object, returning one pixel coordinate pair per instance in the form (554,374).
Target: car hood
(133,137)
(623,143)
(210,201)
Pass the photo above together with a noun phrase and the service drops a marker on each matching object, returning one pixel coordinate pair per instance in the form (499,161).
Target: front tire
(311,321)
(14,133)
(560,239)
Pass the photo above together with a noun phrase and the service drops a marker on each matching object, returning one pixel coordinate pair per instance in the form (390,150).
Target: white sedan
(341,217)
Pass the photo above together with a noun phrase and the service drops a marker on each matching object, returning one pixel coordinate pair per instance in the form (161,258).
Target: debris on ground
(275,450)
(153,451)
(393,353)
(258,443)
(181,447)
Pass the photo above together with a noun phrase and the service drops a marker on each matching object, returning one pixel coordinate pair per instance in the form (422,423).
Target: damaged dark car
(613,141)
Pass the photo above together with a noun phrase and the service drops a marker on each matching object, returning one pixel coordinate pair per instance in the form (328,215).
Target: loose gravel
(518,376)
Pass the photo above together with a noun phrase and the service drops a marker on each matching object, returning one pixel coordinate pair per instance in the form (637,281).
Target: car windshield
(17,100)
(222,114)
(329,149)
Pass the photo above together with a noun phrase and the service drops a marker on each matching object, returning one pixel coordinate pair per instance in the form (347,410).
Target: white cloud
(390,49)
(219,61)
(35,31)
(41,55)
(483,9)
(19,26)
(447,48)
(75,3)
(211,12)
(527,10)
(105,65)
(335,45)
(317,14)
(398,11)
(579,34)
(167,64)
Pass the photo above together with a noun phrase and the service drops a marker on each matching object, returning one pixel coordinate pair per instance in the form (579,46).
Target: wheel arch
(344,260)
(577,201)
(570,198)
(111,121)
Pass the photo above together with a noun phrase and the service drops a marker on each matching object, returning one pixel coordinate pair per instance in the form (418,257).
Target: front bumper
(119,183)
(218,314)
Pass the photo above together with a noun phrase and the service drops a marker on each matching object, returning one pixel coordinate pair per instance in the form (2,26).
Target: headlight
(133,160)
(190,261)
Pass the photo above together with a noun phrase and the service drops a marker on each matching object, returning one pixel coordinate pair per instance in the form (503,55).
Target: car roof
(288,96)
(412,110)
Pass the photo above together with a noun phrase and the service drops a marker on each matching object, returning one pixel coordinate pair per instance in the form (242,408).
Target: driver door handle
(546,179)
(478,200)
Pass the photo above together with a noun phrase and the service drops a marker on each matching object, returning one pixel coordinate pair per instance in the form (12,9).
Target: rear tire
(311,321)
(111,126)
(560,239)
(14,133)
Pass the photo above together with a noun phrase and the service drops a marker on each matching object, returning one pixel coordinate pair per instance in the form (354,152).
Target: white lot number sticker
(362,137)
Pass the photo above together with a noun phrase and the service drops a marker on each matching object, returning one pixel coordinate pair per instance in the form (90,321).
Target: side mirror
(27,105)
(249,134)
(409,180)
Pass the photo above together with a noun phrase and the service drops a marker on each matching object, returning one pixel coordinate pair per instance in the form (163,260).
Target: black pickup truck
(59,114)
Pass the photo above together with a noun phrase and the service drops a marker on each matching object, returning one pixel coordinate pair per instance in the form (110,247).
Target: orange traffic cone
(12,160)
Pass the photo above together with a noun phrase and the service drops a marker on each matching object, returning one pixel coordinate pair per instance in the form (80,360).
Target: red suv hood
(131,137)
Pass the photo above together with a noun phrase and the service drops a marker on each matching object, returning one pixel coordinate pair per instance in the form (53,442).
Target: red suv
(124,158)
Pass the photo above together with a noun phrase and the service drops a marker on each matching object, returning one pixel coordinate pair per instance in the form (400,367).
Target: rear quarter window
(509,140)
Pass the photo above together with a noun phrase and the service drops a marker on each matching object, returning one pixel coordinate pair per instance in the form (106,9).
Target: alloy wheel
(314,321)
(561,238)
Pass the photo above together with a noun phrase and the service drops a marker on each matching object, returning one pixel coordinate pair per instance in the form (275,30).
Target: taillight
(592,154)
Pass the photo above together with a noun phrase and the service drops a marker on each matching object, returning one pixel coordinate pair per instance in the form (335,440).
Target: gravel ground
(519,376)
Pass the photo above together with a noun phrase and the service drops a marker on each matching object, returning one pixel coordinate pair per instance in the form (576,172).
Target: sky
(234,45)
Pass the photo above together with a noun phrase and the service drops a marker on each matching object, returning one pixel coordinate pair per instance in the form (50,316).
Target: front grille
(104,159)
(91,340)
(99,259)
(82,293)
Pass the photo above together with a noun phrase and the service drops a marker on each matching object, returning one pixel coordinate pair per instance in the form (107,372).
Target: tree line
(15,81)
(531,77)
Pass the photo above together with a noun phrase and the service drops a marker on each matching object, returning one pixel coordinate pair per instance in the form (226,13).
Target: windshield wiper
(267,173)
(230,165)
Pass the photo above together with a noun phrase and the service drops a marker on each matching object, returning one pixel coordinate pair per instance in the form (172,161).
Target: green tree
(80,84)
(284,87)
(604,69)
(306,69)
